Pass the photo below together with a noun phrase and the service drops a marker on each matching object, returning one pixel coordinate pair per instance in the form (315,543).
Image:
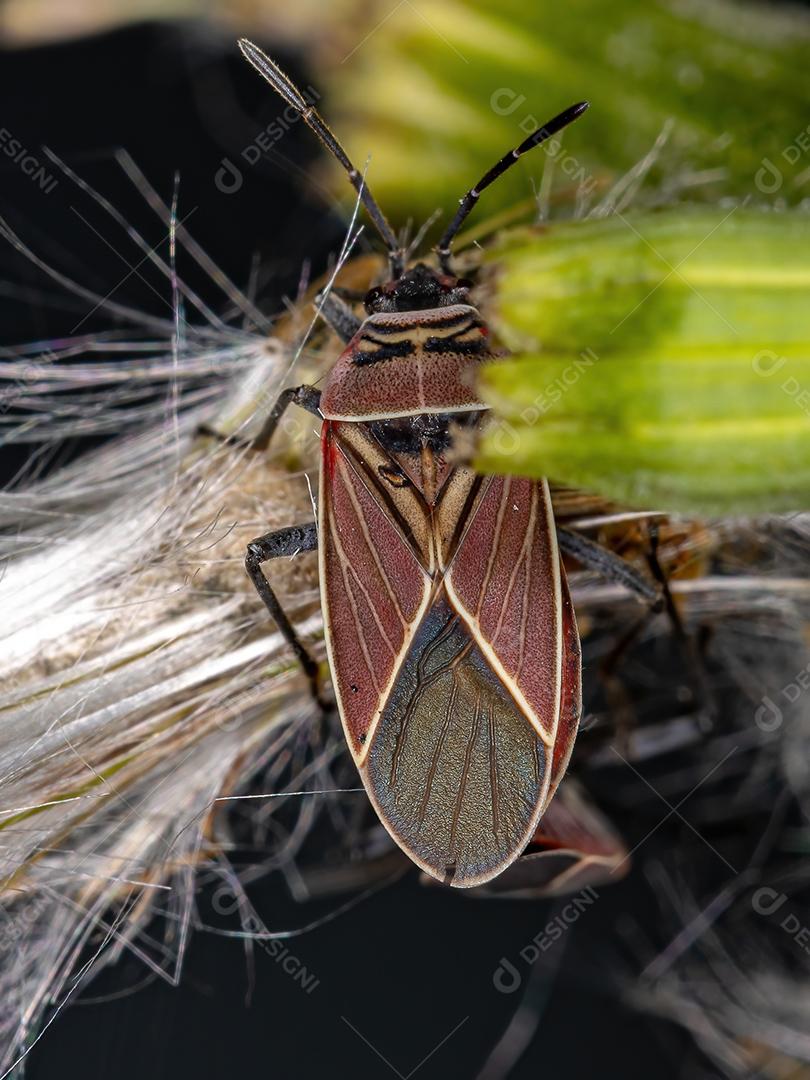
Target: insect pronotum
(450,633)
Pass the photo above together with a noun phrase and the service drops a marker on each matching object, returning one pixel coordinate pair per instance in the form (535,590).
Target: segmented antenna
(293,96)
(498,169)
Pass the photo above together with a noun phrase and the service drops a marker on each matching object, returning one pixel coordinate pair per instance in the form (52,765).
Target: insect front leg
(307,397)
(274,545)
(336,312)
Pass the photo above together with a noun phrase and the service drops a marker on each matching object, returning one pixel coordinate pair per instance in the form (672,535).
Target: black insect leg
(345,293)
(610,566)
(285,542)
(693,650)
(307,397)
(658,597)
(337,313)
(618,699)
(275,545)
(613,568)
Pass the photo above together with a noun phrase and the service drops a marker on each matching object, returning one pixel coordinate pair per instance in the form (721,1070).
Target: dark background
(407,965)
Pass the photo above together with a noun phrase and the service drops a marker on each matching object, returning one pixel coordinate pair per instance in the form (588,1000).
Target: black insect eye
(372,300)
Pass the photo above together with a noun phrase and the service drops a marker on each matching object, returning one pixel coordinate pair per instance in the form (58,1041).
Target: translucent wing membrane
(455,768)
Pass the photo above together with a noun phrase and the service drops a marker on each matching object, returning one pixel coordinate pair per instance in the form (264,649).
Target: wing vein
(353,605)
(448,714)
(373,549)
(495,546)
(525,549)
(422,684)
(474,729)
(493,768)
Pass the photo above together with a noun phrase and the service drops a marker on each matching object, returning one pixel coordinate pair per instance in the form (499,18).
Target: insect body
(450,633)
(452,644)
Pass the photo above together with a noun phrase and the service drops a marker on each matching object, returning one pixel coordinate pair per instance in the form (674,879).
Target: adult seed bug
(450,632)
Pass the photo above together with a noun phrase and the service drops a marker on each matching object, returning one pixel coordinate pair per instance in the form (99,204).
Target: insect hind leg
(657,596)
(701,690)
(275,545)
(611,567)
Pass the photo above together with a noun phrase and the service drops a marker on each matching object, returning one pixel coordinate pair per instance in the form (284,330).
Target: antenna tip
(250,51)
(580,107)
